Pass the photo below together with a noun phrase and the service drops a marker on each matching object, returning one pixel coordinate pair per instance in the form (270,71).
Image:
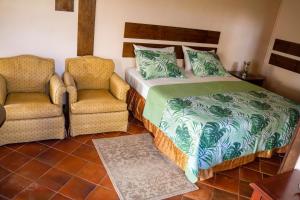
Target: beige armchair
(31,94)
(97,96)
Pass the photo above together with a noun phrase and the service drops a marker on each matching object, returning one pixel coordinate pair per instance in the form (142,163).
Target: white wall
(34,27)
(245,25)
(298,164)
(284,82)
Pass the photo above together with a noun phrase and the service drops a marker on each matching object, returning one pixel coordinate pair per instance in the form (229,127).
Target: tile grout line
(51,167)
(35,181)
(55,167)
(75,175)
(5,175)
(3,196)
(33,158)
(90,193)
(219,188)
(15,172)
(245,196)
(238,192)
(56,192)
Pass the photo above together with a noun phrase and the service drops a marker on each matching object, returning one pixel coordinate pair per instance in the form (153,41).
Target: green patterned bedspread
(215,124)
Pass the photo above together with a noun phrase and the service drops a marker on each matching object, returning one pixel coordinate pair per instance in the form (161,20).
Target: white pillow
(187,61)
(165,49)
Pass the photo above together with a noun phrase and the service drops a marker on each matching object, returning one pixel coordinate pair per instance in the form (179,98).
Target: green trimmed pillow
(206,63)
(157,64)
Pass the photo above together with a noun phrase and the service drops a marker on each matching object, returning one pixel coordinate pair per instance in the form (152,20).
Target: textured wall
(245,25)
(287,27)
(33,26)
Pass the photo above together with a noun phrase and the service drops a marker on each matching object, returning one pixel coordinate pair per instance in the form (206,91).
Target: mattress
(136,81)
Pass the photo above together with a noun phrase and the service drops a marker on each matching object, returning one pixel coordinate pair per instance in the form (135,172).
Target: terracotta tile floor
(71,169)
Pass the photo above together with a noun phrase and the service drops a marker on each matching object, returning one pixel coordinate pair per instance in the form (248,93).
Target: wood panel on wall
(86,27)
(287,47)
(128,49)
(169,33)
(285,63)
(64,5)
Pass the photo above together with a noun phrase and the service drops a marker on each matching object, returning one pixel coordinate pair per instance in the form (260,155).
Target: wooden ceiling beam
(86,27)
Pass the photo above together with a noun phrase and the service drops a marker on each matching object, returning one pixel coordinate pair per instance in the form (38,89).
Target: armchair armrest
(3,91)
(118,87)
(57,89)
(71,87)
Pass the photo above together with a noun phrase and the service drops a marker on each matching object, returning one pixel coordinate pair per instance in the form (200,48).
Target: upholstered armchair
(31,94)
(97,96)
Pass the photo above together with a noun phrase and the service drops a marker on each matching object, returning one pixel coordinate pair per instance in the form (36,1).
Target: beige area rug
(138,170)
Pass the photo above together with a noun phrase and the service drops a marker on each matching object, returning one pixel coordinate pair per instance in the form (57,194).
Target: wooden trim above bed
(290,48)
(169,33)
(287,47)
(285,63)
(128,49)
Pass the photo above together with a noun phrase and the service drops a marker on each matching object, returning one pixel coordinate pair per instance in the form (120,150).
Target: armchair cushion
(26,73)
(3,92)
(118,87)
(90,72)
(71,87)
(97,101)
(30,106)
(57,89)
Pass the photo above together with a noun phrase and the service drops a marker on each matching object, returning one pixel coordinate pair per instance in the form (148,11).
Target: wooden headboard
(168,33)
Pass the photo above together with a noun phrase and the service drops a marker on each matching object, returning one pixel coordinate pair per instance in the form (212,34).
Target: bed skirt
(136,104)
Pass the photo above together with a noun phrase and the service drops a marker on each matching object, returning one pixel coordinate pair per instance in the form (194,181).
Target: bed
(211,124)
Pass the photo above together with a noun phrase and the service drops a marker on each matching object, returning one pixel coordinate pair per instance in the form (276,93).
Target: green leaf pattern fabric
(206,63)
(213,128)
(157,64)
